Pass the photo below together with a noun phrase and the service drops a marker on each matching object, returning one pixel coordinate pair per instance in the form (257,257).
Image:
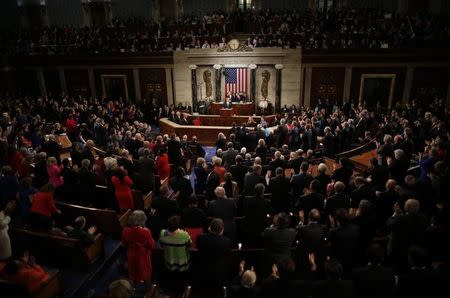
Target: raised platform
(240,109)
(211,126)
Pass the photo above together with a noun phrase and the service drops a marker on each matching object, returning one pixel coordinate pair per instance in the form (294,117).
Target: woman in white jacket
(5,243)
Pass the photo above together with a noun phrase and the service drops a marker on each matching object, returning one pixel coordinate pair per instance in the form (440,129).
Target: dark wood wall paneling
(153,84)
(52,82)
(430,81)
(77,81)
(327,83)
(27,83)
(400,73)
(8,82)
(129,78)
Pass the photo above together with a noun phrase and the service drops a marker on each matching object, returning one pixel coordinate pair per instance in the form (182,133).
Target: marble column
(347,82)
(137,85)
(62,80)
(41,81)
(193,69)
(92,84)
(408,84)
(218,81)
(308,76)
(253,85)
(278,67)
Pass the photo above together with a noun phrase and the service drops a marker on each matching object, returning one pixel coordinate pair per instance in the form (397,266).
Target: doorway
(114,87)
(377,88)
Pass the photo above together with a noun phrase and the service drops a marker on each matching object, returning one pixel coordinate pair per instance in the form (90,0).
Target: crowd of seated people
(346,28)
(322,233)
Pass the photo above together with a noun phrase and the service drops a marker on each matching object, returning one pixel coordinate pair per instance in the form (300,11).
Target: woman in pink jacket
(54,172)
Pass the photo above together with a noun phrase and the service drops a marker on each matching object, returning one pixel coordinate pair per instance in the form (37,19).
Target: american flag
(236,80)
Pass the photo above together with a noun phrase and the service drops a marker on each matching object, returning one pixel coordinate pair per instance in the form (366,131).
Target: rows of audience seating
(341,29)
(283,213)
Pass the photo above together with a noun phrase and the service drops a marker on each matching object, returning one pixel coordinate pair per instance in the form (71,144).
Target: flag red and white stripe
(236,80)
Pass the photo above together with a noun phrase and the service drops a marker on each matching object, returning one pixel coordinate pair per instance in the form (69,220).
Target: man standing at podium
(227,103)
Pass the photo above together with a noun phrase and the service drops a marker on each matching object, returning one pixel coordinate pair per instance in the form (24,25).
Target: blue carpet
(77,284)
(209,152)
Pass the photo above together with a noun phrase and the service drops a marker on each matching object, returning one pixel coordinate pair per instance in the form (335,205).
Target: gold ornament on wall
(265,84)
(208,84)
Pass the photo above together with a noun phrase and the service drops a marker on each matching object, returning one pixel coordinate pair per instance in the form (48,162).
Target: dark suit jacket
(238,172)
(333,289)
(276,163)
(212,181)
(144,174)
(309,202)
(279,187)
(214,251)
(312,237)
(286,288)
(364,192)
(255,212)
(224,209)
(344,243)
(278,243)
(337,201)
(250,180)
(374,281)
(299,183)
(228,158)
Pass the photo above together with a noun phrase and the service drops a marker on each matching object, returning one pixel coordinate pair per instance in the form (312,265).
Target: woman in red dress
(139,243)
(162,164)
(122,186)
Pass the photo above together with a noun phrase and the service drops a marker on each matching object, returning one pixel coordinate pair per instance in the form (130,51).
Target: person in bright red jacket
(139,243)
(162,164)
(122,186)
(43,207)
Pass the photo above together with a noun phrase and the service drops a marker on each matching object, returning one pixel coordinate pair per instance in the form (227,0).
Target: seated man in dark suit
(78,232)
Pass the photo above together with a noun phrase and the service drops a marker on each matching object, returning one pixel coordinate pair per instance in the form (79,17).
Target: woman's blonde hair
(51,161)
(200,161)
(261,142)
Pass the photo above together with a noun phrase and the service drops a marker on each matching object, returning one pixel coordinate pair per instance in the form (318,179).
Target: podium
(226,112)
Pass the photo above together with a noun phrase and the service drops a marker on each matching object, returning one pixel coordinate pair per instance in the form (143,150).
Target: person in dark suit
(223,208)
(323,178)
(227,104)
(300,181)
(78,232)
(279,187)
(174,150)
(192,216)
(328,141)
(229,156)
(256,209)
(366,220)
(278,239)
(311,200)
(374,280)
(420,279)
(335,285)
(384,204)
(163,207)
(214,251)
(251,179)
(144,169)
(238,172)
(311,237)
(398,166)
(212,181)
(387,149)
(344,238)
(277,162)
(181,186)
(338,200)
(377,174)
(362,191)
(406,230)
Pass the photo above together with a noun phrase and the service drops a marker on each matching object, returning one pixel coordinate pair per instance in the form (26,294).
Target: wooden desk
(226,112)
(242,109)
